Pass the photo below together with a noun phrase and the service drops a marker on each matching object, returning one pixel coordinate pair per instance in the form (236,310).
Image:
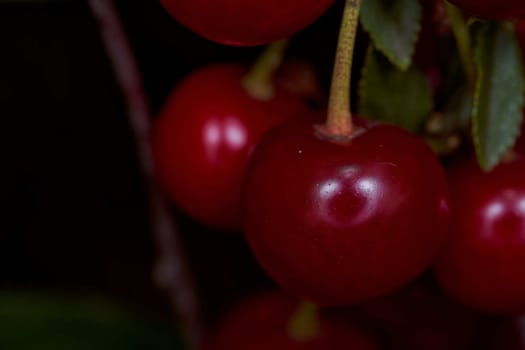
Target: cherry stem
(171,273)
(259,80)
(339,121)
(463,41)
(304,324)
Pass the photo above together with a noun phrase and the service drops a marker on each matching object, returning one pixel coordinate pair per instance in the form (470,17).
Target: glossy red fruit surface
(204,137)
(246,22)
(493,9)
(262,323)
(339,223)
(483,261)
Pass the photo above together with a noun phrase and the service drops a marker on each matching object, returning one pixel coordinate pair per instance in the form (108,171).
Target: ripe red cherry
(483,261)
(339,223)
(262,323)
(246,22)
(204,138)
(493,9)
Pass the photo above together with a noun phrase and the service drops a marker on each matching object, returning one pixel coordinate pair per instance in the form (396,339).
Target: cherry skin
(340,223)
(246,22)
(204,137)
(493,9)
(483,261)
(262,323)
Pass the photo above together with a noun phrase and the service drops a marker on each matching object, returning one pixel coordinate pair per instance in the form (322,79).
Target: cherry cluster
(338,214)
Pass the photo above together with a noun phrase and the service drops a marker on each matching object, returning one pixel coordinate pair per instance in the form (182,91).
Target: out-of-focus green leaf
(30,322)
(389,94)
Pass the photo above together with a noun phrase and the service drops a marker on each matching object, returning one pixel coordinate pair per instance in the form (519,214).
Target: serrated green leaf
(389,94)
(394,26)
(498,100)
(39,322)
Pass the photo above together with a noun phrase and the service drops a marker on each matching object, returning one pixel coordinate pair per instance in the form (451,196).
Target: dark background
(75,214)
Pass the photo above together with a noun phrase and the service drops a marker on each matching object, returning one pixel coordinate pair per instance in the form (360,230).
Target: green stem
(339,121)
(304,324)
(259,80)
(463,42)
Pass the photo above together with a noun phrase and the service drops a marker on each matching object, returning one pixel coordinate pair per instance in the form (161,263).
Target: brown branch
(171,273)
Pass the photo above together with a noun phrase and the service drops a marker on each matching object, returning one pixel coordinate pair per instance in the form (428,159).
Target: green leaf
(393,26)
(498,100)
(40,322)
(389,94)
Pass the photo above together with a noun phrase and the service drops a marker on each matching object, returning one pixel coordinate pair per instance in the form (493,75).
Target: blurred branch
(171,273)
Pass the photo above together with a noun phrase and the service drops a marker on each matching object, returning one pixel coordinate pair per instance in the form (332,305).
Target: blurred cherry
(266,323)
(483,261)
(204,138)
(493,9)
(246,22)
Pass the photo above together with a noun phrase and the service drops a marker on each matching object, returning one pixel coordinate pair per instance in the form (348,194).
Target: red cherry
(493,9)
(246,22)
(482,264)
(262,323)
(339,223)
(204,138)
